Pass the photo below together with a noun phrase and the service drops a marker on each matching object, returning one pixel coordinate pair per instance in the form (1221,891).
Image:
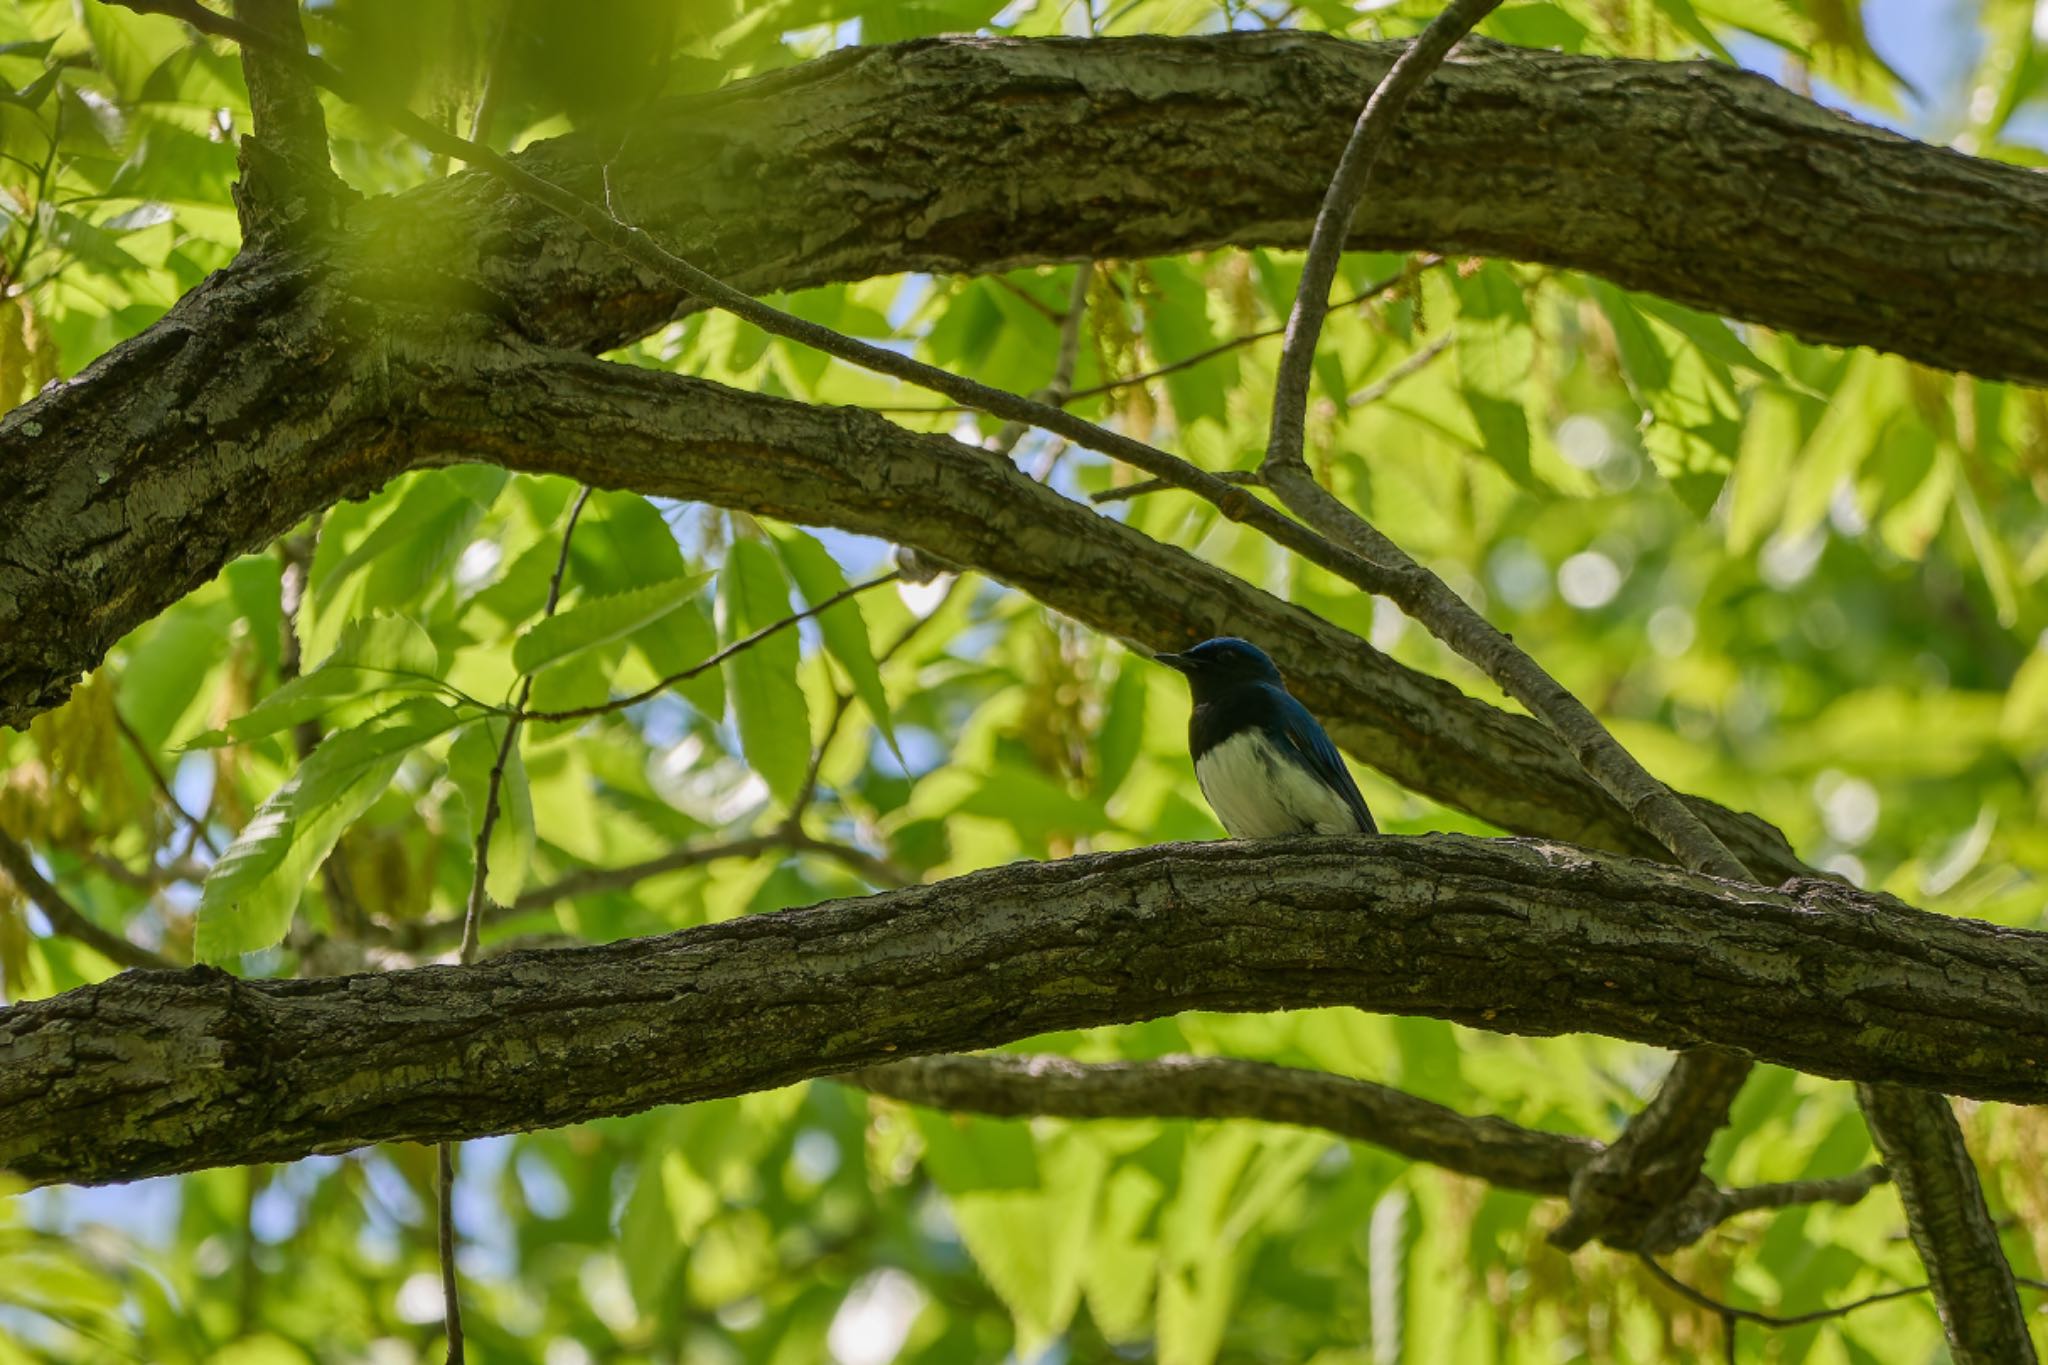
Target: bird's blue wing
(1306,741)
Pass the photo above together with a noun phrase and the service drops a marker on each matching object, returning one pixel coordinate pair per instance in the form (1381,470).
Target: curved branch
(157,1072)
(623,426)
(1503,1154)
(1764,206)
(66,918)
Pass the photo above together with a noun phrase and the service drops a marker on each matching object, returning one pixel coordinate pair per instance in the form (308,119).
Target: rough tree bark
(155,1072)
(1697,183)
(1703,184)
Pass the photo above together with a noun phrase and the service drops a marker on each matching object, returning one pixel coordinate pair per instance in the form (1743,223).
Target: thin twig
(1386,383)
(1340,204)
(1064,359)
(67,919)
(1366,295)
(473,916)
(472,922)
(1246,478)
(1731,1313)
(744,643)
(162,785)
(451,1295)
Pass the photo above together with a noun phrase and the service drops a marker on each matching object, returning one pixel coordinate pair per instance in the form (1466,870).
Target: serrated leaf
(596,621)
(844,627)
(347,754)
(774,723)
(250,895)
(386,643)
(378,654)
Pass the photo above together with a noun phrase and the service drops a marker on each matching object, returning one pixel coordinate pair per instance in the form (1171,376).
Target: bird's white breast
(1258,792)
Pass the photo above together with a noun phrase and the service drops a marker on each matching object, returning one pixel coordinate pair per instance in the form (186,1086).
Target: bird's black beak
(1179,663)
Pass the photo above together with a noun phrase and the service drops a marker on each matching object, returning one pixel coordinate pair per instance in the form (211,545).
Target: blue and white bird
(1263,761)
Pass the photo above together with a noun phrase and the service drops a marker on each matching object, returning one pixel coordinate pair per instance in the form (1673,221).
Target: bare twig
(67,919)
(1340,204)
(429,935)
(1386,383)
(744,643)
(444,1200)
(161,783)
(473,917)
(1729,1313)
(472,923)
(1365,295)
(1244,478)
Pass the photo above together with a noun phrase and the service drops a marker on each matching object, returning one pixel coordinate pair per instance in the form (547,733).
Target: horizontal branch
(157,1072)
(1503,1154)
(623,426)
(1708,185)
(1010,1086)
(1694,180)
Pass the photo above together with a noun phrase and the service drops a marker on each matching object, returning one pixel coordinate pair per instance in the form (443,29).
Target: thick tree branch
(1659,1154)
(1972,1281)
(1503,1154)
(622,426)
(287,181)
(159,1072)
(1536,155)
(1005,1085)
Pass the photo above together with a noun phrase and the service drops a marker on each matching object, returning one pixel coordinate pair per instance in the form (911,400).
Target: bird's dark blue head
(1214,667)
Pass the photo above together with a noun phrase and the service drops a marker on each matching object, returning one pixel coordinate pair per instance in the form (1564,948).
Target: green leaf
(774,723)
(1714,337)
(432,511)
(376,654)
(1177,326)
(1495,350)
(1123,727)
(596,621)
(1695,432)
(1026,1211)
(844,627)
(1681,13)
(470,760)
(32,95)
(344,756)
(389,644)
(250,895)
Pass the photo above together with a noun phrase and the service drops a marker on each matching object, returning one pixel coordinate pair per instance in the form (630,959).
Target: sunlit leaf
(774,723)
(595,621)
(844,627)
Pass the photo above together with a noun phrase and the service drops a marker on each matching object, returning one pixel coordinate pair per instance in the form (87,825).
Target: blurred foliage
(1802,581)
